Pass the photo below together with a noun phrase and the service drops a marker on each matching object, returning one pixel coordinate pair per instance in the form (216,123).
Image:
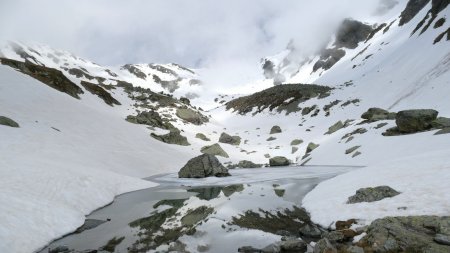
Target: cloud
(196,33)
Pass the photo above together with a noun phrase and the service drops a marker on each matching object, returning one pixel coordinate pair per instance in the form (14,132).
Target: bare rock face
(351,32)
(191,116)
(412,8)
(203,166)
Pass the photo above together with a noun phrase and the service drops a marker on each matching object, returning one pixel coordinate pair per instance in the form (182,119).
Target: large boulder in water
(203,166)
(411,121)
(279,161)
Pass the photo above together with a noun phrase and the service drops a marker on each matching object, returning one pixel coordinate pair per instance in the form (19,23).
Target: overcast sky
(196,33)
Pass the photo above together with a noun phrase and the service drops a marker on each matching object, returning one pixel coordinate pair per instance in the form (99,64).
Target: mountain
(86,133)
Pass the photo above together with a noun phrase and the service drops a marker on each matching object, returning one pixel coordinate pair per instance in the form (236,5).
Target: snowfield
(70,157)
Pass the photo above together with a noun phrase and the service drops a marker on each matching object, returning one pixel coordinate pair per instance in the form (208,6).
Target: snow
(421,179)
(50,179)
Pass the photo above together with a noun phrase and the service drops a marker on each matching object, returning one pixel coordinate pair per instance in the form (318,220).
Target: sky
(232,35)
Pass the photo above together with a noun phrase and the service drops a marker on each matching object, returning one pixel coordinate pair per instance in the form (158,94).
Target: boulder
(294,149)
(173,137)
(296,142)
(271,138)
(371,194)
(8,122)
(293,245)
(275,130)
(214,149)
(411,121)
(202,137)
(324,246)
(310,230)
(191,116)
(338,125)
(311,147)
(248,164)
(279,161)
(149,118)
(203,166)
(233,140)
(407,234)
(375,114)
(441,123)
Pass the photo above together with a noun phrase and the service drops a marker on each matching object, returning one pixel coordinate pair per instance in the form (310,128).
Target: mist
(228,36)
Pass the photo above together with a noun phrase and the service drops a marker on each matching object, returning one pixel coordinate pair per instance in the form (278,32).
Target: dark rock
(279,161)
(380,125)
(296,142)
(340,225)
(51,77)
(439,23)
(249,249)
(233,140)
(375,114)
(440,123)
(351,32)
(324,246)
(185,101)
(350,150)
(411,121)
(407,234)
(276,97)
(173,137)
(371,194)
(135,71)
(294,149)
(442,239)
(191,116)
(214,149)
(100,92)
(5,121)
(149,118)
(357,153)
(311,146)
(248,164)
(337,126)
(203,166)
(271,138)
(202,137)
(275,130)
(311,231)
(328,58)
(334,236)
(355,249)
(293,245)
(412,8)
(360,130)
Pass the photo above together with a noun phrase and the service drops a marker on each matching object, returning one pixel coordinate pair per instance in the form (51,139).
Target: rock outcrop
(191,116)
(203,166)
(371,194)
(173,137)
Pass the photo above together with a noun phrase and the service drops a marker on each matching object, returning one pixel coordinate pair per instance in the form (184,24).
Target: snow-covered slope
(71,156)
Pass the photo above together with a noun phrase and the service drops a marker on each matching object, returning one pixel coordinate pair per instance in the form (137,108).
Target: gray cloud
(200,33)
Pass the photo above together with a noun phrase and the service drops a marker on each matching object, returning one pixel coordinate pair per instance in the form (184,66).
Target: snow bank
(423,181)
